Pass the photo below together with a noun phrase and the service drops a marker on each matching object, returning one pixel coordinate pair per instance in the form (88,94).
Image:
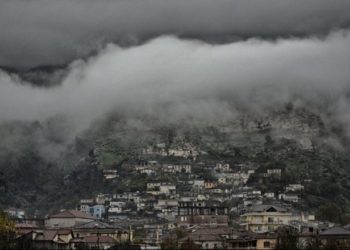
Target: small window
(267,244)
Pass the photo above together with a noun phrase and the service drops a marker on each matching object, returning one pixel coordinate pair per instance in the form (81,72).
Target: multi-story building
(85,205)
(15,213)
(276,172)
(158,188)
(98,211)
(294,188)
(265,218)
(193,212)
(180,168)
(68,218)
(222,167)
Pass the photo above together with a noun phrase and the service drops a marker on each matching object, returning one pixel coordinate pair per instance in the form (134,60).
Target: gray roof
(73,214)
(266,208)
(335,231)
(93,224)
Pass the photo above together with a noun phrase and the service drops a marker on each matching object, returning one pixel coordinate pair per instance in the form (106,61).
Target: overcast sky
(190,59)
(37,32)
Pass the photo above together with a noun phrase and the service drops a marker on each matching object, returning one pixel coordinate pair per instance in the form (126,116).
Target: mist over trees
(265,80)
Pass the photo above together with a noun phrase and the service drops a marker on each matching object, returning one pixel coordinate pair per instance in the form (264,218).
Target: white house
(289,197)
(15,213)
(294,188)
(270,195)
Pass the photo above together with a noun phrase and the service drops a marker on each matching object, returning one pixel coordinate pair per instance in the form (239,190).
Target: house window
(267,244)
(270,220)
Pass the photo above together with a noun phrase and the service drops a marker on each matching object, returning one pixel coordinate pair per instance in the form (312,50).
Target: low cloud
(177,79)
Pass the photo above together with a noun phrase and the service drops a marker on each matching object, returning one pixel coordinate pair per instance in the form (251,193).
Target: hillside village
(175,124)
(178,200)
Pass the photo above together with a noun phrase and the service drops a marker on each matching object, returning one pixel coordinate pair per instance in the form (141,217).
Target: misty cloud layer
(177,79)
(38,32)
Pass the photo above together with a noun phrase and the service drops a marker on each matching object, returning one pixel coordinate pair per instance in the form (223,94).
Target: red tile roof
(50,234)
(46,235)
(99,239)
(209,234)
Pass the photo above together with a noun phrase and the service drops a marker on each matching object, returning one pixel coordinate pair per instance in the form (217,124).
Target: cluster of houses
(220,212)
(204,224)
(70,229)
(185,150)
(152,168)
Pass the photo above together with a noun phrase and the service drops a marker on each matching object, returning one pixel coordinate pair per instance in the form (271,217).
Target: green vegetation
(42,169)
(7,232)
